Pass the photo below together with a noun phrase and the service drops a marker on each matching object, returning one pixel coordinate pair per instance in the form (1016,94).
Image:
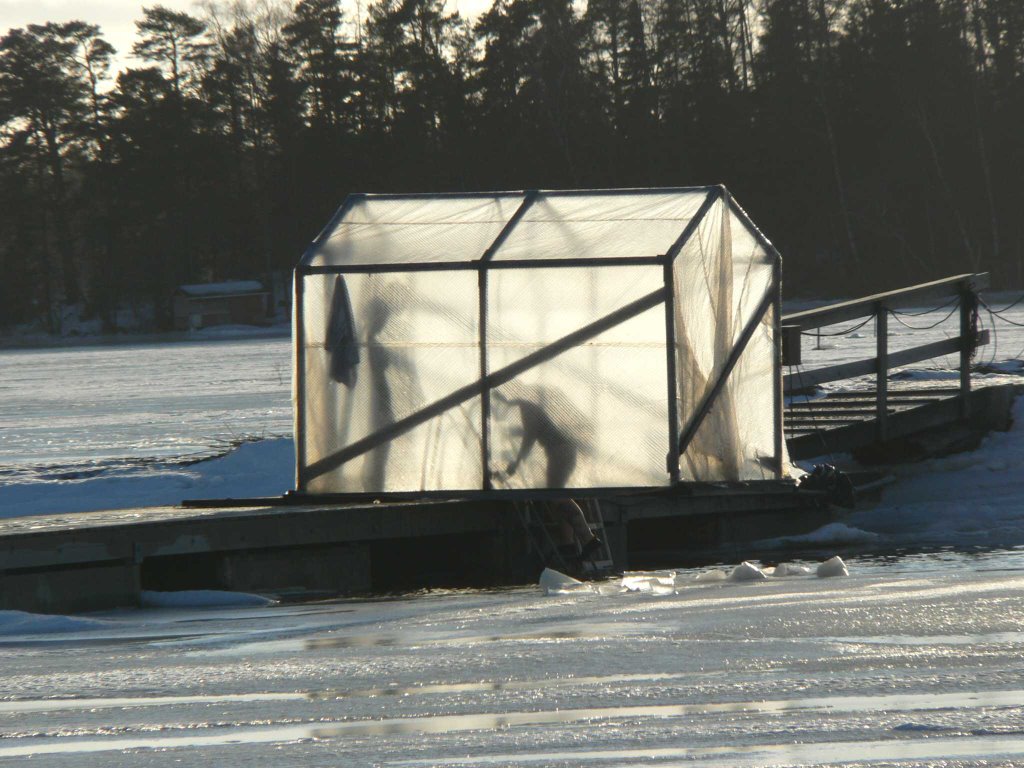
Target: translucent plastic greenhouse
(571,339)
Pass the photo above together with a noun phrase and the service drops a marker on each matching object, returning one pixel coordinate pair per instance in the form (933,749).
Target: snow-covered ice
(263,468)
(79,409)
(905,662)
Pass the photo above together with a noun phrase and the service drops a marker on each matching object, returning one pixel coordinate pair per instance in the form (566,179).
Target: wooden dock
(919,422)
(96,560)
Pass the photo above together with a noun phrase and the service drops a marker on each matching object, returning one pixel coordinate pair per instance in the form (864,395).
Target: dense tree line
(877,142)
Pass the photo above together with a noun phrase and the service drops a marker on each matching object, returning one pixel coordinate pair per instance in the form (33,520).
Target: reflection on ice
(821,752)
(24,706)
(509,672)
(368,641)
(407,640)
(756,756)
(553,582)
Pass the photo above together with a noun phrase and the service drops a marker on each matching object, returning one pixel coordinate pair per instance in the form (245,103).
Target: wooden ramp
(892,420)
(846,422)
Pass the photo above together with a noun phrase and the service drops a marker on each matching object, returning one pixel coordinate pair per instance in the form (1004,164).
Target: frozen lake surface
(908,661)
(911,660)
(81,407)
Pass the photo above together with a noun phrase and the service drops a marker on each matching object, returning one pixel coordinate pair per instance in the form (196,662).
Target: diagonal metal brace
(495,379)
(714,195)
(709,398)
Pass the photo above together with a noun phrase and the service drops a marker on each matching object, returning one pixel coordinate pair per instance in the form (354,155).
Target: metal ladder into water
(535,518)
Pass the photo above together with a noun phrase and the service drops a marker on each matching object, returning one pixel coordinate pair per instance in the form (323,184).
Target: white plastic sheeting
(389,362)
(415,229)
(720,280)
(567,226)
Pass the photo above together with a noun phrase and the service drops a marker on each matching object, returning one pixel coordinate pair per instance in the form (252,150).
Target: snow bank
(832,534)
(22,623)
(969,499)
(201,598)
(263,468)
(1011,367)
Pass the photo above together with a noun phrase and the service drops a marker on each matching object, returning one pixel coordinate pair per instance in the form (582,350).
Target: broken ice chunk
(789,569)
(746,571)
(834,566)
(556,583)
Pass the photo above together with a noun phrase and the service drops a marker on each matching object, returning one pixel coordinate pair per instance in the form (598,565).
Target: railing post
(672,458)
(298,324)
(968,304)
(777,399)
(882,368)
(485,391)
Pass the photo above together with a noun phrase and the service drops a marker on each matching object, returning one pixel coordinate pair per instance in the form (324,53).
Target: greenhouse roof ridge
(539,228)
(523,192)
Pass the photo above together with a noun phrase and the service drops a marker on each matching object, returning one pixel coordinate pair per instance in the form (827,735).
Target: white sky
(116,18)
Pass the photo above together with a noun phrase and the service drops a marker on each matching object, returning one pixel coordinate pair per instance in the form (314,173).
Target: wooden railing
(962,287)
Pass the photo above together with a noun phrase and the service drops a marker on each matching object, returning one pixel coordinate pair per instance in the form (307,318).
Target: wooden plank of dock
(846,422)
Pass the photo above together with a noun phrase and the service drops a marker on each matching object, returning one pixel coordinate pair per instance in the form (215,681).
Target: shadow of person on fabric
(561,450)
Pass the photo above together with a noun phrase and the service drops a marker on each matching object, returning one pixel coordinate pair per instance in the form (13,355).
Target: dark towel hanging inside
(342,344)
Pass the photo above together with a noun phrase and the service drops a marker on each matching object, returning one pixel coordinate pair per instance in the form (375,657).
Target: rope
(993,312)
(954,300)
(994,334)
(1009,306)
(895,316)
(838,333)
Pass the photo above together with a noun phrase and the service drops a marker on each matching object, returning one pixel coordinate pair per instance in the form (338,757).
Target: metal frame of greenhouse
(682,424)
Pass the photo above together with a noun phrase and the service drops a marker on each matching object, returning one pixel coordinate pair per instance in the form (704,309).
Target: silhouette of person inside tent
(560,450)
